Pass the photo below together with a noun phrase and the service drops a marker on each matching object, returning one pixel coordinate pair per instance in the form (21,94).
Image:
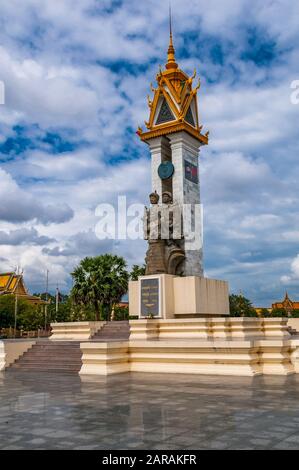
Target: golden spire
(171,63)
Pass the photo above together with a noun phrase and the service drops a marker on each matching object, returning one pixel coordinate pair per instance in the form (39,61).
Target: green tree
(265,313)
(100,282)
(240,306)
(7,308)
(137,271)
(121,313)
(67,310)
(278,312)
(29,317)
(64,313)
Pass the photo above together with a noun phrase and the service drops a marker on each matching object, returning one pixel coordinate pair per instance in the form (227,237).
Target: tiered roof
(12,283)
(174,104)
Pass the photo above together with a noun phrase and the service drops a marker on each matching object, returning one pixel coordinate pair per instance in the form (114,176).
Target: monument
(174,284)
(183,324)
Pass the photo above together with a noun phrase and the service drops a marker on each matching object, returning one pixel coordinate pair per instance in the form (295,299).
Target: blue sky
(77,74)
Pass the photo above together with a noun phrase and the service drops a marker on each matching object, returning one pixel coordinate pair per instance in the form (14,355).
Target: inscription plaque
(149,297)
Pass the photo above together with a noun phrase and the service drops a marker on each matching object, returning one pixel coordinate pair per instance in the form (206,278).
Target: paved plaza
(148,411)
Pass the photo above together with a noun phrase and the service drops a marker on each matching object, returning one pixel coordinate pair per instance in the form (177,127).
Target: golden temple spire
(171,63)
(173,108)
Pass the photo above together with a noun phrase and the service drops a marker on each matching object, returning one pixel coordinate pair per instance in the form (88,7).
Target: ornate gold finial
(149,101)
(159,74)
(171,63)
(198,85)
(190,79)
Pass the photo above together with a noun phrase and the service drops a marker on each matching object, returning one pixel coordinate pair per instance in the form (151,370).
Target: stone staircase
(65,356)
(292,331)
(113,331)
(51,356)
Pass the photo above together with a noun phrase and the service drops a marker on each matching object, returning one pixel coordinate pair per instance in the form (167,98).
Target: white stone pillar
(185,149)
(160,151)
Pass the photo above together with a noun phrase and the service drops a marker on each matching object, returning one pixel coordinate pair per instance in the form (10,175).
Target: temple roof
(12,283)
(286,303)
(9,282)
(174,104)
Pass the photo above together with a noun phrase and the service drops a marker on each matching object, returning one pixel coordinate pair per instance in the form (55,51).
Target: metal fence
(9,333)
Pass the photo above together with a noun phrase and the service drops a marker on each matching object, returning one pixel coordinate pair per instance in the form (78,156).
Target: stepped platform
(217,346)
(113,331)
(63,355)
(50,356)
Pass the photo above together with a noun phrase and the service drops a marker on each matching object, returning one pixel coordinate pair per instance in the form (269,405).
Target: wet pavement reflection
(148,411)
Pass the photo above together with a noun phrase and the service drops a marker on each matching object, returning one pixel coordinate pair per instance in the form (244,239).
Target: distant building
(12,283)
(259,310)
(123,304)
(287,304)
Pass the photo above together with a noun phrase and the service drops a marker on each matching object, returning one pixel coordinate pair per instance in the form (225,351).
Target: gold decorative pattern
(170,128)
(175,86)
(13,284)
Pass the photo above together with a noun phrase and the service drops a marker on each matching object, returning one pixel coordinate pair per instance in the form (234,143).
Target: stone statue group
(163,228)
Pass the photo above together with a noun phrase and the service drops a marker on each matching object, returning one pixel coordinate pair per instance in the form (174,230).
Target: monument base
(166,296)
(220,346)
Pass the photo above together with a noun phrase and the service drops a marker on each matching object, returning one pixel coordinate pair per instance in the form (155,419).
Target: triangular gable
(21,288)
(165,113)
(16,285)
(4,280)
(189,117)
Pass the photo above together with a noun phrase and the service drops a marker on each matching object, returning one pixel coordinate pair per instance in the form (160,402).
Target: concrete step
(58,346)
(43,367)
(51,356)
(116,330)
(38,366)
(64,349)
(109,338)
(49,364)
(53,350)
(46,348)
(113,331)
(60,355)
(53,360)
(57,343)
(292,331)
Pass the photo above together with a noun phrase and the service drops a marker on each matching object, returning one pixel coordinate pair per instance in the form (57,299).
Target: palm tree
(101,282)
(137,271)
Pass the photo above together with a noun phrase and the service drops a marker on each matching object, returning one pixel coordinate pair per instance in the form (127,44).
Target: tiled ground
(148,411)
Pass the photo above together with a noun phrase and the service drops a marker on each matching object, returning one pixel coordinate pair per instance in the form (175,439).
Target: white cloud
(233,176)
(73,68)
(18,205)
(291,279)
(23,236)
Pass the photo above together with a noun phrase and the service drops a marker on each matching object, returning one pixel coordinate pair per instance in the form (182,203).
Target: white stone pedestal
(166,296)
